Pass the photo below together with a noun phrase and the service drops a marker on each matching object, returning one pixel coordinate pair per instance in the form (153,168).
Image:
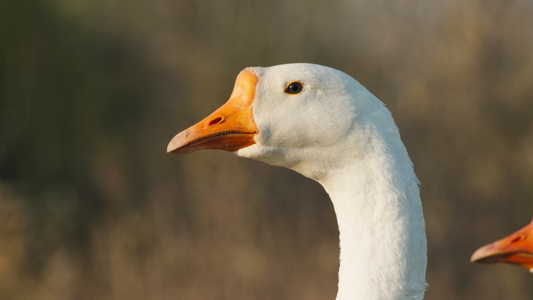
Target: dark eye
(294,88)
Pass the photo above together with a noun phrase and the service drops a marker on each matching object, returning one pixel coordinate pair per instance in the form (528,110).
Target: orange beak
(516,249)
(231,127)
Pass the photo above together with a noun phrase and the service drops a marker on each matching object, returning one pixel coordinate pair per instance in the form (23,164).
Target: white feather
(339,134)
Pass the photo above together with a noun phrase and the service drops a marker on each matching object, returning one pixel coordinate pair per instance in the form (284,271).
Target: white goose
(323,124)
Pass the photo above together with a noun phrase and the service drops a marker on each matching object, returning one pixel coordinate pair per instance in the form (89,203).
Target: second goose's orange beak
(231,127)
(516,249)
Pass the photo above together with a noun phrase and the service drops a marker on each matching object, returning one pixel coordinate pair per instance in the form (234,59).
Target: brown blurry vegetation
(91,206)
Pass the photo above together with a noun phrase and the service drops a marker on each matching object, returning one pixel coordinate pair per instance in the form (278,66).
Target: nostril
(516,239)
(215,121)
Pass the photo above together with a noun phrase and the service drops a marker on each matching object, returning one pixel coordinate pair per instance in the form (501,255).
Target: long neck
(382,235)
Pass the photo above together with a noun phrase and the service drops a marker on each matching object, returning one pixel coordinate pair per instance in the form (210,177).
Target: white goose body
(323,124)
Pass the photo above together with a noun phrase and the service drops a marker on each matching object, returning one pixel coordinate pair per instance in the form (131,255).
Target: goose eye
(293,88)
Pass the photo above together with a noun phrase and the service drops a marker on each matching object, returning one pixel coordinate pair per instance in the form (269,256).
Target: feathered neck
(337,133)
(382,235)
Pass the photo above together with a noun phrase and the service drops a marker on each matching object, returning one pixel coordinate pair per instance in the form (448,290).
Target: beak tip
(481,254)
(172,146)
(474,257)
(169,148)
(178,146)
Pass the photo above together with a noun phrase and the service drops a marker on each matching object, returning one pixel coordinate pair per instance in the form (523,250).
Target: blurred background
(91,92)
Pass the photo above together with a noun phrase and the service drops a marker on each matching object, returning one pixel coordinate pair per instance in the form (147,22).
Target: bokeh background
(91,91)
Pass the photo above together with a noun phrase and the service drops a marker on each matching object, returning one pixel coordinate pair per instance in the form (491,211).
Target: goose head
(516,249)
(322,123)
(299,116)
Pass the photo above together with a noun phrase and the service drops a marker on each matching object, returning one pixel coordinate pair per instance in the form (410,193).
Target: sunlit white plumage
(337,133)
